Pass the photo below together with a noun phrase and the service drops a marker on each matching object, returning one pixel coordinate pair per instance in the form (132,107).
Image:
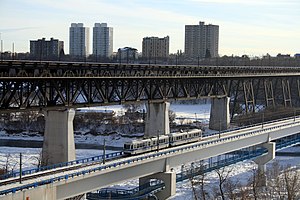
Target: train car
(185,137)
(146,145)
(151,144)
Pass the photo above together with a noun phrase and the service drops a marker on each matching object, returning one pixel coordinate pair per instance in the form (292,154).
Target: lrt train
(163,141)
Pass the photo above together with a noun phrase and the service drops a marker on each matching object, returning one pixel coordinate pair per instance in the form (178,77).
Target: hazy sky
(252,27)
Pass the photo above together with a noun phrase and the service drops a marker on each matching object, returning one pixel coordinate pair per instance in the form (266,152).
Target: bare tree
(172,116)
(275,181)
(202,178)
(255,184)
(6,166)
(243,193)
(198,181)
(291,179)
(223,176)
(231,187)
(134,107)
(38,159)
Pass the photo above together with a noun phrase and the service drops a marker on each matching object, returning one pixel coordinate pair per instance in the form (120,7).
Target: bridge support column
(219,113)
(157,119)
(169,178)
(58,145)
(263,160)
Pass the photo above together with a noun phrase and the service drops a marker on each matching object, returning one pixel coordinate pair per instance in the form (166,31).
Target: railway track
(54,171)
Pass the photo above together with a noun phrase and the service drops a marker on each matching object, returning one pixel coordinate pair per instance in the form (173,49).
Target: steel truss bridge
(36,85)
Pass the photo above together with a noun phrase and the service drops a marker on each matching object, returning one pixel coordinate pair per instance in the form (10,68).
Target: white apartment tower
(201,40)
(102,40)
(79,40)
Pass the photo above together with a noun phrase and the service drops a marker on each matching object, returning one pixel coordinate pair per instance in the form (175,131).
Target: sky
(251,27)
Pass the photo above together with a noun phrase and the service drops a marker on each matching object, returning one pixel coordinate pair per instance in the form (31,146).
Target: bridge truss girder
(246,94)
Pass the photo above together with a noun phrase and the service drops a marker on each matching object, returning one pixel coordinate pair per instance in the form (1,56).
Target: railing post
(104,156)
(20,180)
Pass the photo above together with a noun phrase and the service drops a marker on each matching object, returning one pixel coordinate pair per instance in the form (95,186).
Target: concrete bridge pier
(169,178)
(263,160)
(157,119)
(58,145)
(219,113)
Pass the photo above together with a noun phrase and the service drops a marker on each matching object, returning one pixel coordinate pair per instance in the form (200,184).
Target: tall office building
(79,40)
(43,49)
(155,48)
(201,41)
(102,40)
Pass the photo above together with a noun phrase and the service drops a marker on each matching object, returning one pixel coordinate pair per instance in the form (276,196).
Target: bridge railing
(114,193)
(63,164)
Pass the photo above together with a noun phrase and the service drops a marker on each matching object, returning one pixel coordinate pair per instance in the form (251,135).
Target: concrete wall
(58,143)
(169,178)
(219,114)
(47,192)
(157,119)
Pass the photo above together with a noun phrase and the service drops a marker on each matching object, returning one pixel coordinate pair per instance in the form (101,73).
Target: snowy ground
(240,172)
(184,114)
(30,156)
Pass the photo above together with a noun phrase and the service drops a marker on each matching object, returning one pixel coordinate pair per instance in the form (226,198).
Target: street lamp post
(20,179)
(219,128)
(263,119)
(157,140)
(104,156)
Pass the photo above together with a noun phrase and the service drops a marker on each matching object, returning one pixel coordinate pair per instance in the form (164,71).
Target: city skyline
(246,27)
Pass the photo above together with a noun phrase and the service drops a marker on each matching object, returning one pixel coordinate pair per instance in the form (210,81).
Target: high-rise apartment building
(79,40)
(155,48)
(201,41)
(43,49)
(102,40)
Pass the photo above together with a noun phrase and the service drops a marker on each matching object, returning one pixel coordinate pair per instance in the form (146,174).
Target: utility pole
(263,119)
(104,156)
(157,140)
(20,180)
(219,128)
